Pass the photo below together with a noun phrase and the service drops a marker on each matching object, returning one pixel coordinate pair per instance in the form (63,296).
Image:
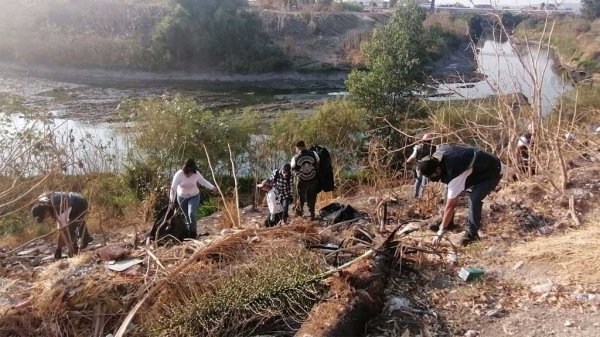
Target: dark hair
(189,166)
(39,211)
(300,144)
(287,167)
(427,165)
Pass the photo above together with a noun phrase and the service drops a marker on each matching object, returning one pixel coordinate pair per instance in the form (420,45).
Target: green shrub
(111,192)
(212,34)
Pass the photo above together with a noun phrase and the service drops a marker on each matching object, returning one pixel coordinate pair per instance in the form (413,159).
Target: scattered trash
(409,228)
(29,251)
(495,312)
(398,303)
(471,333)
(470,274)
(569,324)
(587,297)
(543,288)
(122,265)
(336,212)
(112,252)
(545,230)
(517,266)
(452,257)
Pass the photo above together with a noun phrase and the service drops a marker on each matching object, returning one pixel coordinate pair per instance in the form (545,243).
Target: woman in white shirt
(185,188)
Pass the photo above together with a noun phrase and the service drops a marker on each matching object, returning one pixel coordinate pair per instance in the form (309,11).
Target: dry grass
(67,297)
(569,258)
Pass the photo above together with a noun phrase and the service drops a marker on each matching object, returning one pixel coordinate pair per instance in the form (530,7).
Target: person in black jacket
(69,210)
(425,148)
(306,164)
(462,167)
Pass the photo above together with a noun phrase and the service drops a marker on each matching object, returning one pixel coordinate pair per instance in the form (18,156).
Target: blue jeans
(478,193)
(420,183)
(189,207)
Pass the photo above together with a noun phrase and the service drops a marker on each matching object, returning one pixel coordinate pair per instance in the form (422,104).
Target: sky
(519,3)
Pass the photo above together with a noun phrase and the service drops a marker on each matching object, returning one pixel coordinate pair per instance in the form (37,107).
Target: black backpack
(325,173)
(169,222)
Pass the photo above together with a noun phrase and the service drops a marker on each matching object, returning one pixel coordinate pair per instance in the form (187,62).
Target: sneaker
(468,238)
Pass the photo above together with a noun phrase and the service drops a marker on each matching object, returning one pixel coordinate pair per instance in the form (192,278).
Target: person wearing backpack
(462,167)
(305,164)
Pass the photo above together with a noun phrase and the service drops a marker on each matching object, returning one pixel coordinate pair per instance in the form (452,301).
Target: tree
(395,57)
(214,34)
(542,5)
(590,8)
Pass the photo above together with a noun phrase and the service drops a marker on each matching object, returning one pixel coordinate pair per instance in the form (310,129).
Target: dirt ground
(541,275)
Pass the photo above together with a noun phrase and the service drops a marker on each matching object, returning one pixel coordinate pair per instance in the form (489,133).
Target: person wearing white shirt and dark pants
(184,190)
(462,167)
(69,209)
(274,203)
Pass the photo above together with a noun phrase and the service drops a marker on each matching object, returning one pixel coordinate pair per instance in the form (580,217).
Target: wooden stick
(572,211)
(237,195)
(218,187)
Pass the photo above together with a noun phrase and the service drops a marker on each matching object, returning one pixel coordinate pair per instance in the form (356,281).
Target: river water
(87,110)
(511,69)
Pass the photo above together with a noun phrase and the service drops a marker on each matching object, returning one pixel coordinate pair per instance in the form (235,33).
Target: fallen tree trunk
(356,295)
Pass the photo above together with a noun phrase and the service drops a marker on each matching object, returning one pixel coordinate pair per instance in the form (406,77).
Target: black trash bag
(325,173)
(336,212)
(169,222)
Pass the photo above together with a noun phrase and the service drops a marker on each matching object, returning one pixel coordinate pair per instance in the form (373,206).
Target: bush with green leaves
(395,57)
(209,34)
(339,125)
(167,130)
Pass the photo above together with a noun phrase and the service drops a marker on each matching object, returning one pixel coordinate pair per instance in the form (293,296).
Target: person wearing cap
(275,208)
(282,180)
(462,167)
(69,210)
(424,148)
(306,165)
(522,153)
(185,191)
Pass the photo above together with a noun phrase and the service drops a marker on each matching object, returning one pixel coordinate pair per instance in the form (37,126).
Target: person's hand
(438,237)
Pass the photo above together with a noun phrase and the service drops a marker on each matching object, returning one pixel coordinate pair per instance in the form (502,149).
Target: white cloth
(63,218)
(523,142)
(187,187)
(273,202)
(413,156)
(457,185)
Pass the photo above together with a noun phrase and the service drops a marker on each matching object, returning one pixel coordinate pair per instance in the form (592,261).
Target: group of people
(459,167)
(305,165)
(69,209)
